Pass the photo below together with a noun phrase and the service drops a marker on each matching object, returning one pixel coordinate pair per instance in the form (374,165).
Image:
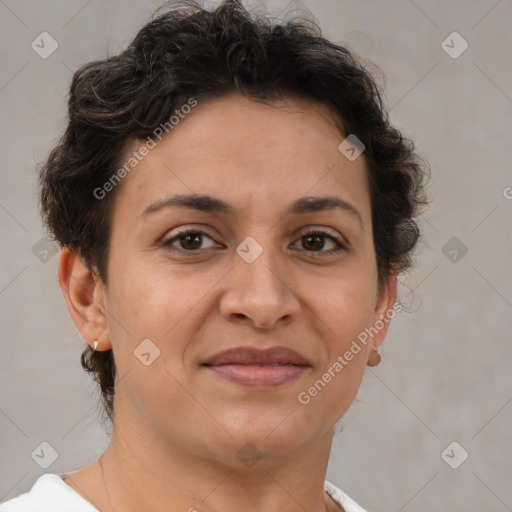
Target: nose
(260,293)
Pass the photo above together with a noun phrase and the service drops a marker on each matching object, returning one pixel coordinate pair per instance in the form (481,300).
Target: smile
(259,375)
(256,367)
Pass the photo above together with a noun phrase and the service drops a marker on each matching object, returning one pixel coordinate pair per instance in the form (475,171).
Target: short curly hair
(189,51)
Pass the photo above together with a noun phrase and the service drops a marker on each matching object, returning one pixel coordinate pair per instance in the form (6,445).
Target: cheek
(144,297)
(346,305)
(157,302)
(347,310)
(345,301)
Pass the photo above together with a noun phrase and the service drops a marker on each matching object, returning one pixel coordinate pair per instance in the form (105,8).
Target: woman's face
(246,276)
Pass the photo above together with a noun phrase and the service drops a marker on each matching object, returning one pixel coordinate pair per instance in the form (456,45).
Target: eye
(189,241)
(314,241)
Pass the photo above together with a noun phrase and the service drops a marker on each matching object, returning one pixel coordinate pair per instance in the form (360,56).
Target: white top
(51,494)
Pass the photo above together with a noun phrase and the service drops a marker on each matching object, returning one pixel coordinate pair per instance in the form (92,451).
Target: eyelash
(339,246)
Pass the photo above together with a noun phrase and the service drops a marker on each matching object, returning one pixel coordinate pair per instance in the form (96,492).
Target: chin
(273,434)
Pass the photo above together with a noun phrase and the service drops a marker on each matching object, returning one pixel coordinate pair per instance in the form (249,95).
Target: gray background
(445,374)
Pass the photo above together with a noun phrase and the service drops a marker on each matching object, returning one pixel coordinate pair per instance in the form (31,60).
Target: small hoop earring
(95,345)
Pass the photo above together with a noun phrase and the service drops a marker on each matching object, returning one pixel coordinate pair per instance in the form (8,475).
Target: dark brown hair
(191,52)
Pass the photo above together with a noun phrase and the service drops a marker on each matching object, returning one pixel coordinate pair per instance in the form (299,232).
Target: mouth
(252,367)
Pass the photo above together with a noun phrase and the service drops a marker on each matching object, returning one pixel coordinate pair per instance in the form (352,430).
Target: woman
(233,209)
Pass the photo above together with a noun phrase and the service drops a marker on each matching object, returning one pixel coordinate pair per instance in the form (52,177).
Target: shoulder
(348,504)
(48,494)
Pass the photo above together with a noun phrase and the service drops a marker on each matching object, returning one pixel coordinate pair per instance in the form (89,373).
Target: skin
(178,427)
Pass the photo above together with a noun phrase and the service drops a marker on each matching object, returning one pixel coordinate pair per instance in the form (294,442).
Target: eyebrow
(209,204)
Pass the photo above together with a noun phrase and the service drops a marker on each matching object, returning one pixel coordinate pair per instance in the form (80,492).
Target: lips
(250,367)
(257,357)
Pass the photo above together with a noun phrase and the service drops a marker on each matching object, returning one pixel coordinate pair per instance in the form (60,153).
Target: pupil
(196,241)
(318,240)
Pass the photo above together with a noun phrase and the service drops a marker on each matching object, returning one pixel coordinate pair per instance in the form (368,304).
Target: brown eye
(187,241)
(315,242)
(191,241)
(312,242)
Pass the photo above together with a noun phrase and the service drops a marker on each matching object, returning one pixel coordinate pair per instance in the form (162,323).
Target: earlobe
(85,298)
(387,297)
(374,357)
(384,312)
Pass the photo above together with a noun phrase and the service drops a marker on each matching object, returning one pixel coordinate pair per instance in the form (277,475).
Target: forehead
(236,148)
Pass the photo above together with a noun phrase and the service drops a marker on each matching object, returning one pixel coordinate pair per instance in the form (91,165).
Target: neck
(146,472)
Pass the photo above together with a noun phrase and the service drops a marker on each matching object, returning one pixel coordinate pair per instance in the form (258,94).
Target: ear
(85,296)
(385,309)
